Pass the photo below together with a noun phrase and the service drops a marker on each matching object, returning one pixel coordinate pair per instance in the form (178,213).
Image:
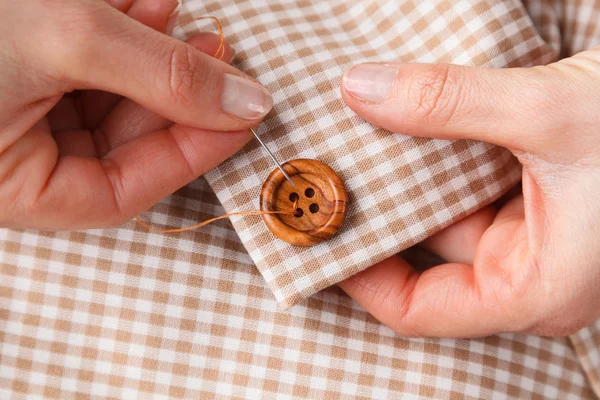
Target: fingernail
(371,82)
(173,19)
(244,98)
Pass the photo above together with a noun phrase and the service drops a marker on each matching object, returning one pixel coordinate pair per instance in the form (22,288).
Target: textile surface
(402,189)
(125,313)
(587,345)
(129,314)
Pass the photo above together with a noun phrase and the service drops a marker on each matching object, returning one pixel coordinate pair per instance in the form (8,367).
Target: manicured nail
(371,82)
(173,19)
(244,98)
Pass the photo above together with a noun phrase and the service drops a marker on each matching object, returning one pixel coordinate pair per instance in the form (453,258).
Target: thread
(210,221)
(221,50)
(219,55)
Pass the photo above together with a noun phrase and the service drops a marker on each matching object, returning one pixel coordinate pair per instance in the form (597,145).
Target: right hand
(93,158)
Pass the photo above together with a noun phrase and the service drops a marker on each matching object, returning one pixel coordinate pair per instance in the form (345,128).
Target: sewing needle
(273,157)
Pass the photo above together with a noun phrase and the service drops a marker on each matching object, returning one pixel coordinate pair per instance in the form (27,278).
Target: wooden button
(322,202)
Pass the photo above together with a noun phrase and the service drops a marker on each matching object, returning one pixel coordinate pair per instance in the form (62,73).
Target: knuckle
(410,321)
(67,36)
(186,77)
(410,326)
(540,99)
(120,211)
(436,93)
(564,324)
(571,327)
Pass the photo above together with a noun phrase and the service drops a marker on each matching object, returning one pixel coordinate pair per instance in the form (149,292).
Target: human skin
(532,265)
(102,114)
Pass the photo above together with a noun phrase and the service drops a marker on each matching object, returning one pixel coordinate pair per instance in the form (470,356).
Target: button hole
(298,213)
(310,192)
(314,208)
(293,197)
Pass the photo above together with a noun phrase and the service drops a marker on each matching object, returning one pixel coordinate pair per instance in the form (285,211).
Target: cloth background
(126,313)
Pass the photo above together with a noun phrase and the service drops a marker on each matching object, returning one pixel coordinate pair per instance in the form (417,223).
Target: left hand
(533,265)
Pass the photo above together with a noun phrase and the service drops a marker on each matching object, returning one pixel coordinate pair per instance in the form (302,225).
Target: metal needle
(273,157)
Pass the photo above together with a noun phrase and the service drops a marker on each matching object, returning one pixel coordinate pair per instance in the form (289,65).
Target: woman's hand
(92,158)
(531,266)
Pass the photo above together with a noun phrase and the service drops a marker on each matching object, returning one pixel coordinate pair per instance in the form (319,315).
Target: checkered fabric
(402,189)
(587,345)
(127,314)
(567,26)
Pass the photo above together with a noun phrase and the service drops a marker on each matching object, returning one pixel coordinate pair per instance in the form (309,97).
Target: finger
(384,290)
(158,15)
(502,291)
(458,242)
(125,122)
(87,192)
(444,301)
(515,108)
(161,73)
(129,120)
(75,142)
(121,5)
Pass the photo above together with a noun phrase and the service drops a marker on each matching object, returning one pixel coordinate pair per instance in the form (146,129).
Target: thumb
(117,54)
(516,108)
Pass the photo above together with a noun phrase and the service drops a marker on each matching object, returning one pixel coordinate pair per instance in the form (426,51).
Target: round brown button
(321,208)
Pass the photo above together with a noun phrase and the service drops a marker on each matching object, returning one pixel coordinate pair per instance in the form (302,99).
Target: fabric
(587,344)
(402,189)
(567,27)
(128,314)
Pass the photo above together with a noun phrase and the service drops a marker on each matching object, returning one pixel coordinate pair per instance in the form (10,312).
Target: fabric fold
(402,189)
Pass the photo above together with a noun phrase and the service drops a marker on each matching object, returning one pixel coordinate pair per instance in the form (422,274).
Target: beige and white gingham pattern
(567,26)
(128,314)
(587,345)
(402,189)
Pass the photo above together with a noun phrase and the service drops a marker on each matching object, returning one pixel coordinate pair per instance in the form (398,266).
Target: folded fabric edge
(287,301)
